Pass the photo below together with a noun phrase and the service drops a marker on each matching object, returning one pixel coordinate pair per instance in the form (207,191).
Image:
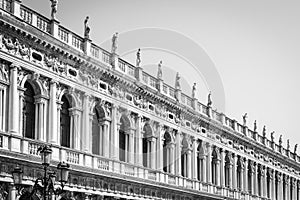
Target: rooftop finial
(209,101)
(159,71)
(194,91)
(114,45)
(255,126)
(53,8)
(265,131)
(86,28)
(245,119)
(138,57)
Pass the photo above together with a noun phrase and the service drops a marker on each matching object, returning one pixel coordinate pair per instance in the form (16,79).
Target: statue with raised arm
(280,140)
(177,82)
(138,57)
(86,28)
(209,101)
(194,91)
(295,148)
(245,119)
(114,45)
(53,8)
(159,71)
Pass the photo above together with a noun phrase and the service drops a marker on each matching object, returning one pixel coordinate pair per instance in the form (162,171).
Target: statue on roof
(288,145)
(159,71)
(209,101)
(264,133)
(272,136)
(53,8)
(114,45)
(86,28)
(255,126)
(245,119)
(138,57)
(280,140)
(177,82)
(194,91)
(295,148)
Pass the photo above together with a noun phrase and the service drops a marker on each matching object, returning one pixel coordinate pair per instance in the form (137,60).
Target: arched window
(65,122)
(148,147)
(29,112)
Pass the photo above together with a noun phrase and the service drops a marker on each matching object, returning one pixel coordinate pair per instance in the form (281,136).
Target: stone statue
(209,101)
(288,145)
(295,148)
(86,28)
(159,71)
(245,119)
(114,43)
(255,126)
(138,57)
(280,140)
(177,82)
(264,131)
(194,91)
(53,8)
(272,136)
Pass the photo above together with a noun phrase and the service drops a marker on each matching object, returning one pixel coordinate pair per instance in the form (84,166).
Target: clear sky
(254,46)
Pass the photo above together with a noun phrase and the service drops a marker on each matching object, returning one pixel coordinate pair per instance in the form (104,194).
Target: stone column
(264,182)
(86,134)
(280,186)
(139,141)
(172,147)
(160,142)
(208,163)
(255,180)
(13,101)
(52,128)
(272,184)
(115,133)
(153,153)
(58,109)
(222,167)
(203,173)
(234,172)
(294,187)
(131,147)
(75,127)
(12,193)
(251,177)
(40,120)
(230,170)
(242,168)
(188,164)
(21,114)
(217,171)
(106,139)
(246,171)
(178,147)
(287,187)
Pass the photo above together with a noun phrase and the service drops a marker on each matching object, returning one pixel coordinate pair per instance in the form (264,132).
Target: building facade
(125,133)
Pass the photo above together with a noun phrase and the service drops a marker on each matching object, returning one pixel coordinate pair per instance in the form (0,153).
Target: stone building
(125,133)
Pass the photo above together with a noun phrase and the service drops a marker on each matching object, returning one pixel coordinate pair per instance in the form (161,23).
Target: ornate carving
(4,72)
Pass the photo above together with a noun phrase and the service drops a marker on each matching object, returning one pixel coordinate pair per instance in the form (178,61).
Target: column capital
(13,66)
(279,176)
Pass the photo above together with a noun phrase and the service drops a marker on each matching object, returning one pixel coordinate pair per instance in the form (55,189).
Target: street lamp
(45,184)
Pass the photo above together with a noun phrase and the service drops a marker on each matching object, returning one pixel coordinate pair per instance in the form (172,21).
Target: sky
(247,53)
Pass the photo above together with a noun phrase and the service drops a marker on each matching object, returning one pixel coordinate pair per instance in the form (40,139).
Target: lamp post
(46,183)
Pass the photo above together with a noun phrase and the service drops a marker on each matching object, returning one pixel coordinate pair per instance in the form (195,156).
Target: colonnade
(199,160)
